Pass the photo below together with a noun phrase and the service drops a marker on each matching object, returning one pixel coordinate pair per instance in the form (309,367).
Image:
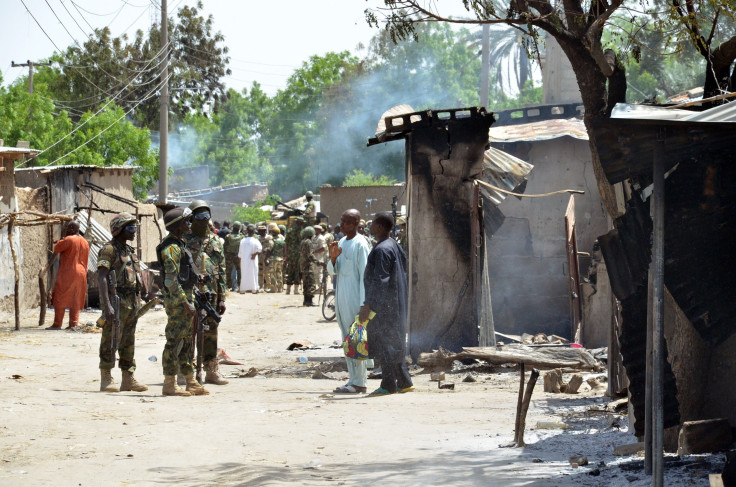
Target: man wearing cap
(179,279)
(319,250)
(71,280)
(293,241)
(208,257)
(250,248)
(264,279)
(310,209)
(232,262)
(306,262)
(275,269)
(120,257)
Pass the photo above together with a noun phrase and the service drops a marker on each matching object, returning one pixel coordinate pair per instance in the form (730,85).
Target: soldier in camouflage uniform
(319,249)
(293,240)
(232,262)
(208,258)
(310,209)
(306,260)
(275,269)
(179,278)
(120,257)
(264,278)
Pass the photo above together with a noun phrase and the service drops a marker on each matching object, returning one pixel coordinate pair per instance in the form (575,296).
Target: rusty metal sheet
(545,130)
(504,171)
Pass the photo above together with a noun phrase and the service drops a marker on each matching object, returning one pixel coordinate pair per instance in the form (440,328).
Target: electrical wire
(40,27)
(151,94)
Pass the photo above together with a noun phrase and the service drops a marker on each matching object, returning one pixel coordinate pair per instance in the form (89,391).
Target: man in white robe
(248,253)
(348,259)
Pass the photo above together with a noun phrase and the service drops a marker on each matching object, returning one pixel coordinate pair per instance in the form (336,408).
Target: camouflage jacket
(121,258)
(170,257)
(279,244)
(209,259)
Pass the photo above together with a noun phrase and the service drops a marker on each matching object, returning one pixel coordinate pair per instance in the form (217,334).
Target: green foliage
(250,214)
(85,77)
(359,178)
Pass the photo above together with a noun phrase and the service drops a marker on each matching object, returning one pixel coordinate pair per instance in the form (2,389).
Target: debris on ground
(543,339)
(554,383)
(437,376)
(706,436)
(300,345)
(578,461)
(224,359)
(540,357)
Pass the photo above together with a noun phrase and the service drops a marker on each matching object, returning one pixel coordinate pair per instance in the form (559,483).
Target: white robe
(248,266)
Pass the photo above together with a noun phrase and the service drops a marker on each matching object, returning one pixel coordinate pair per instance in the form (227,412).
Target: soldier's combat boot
(130,384)
(181,380)
(194,388)
(288,289)
(296,288)
(213,373)
(107,383)
(171,389)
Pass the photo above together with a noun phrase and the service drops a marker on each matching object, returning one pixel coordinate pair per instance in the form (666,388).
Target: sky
(267,39)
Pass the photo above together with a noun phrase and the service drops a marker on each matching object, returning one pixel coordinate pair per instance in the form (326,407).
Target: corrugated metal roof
(721,113)
(545,130)
(78,166)
(392,112)
(504,171)
(648,112)
(14,151)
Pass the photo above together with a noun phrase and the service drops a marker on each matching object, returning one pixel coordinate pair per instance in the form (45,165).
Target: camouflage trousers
(129,304)
(291,271)
(317,272)
(232,262)
(308,289)
(276,271)
(177,355)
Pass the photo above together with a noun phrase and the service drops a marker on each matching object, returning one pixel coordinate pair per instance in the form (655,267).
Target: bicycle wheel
(328,306)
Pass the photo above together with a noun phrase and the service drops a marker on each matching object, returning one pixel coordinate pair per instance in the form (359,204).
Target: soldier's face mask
(201,223)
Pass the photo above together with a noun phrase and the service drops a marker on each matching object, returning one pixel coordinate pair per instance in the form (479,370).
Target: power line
(40,27)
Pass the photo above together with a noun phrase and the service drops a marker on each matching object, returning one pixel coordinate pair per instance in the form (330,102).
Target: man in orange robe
(71,280)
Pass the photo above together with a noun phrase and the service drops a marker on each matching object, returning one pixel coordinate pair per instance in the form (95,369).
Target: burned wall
(527,254)
(443,158)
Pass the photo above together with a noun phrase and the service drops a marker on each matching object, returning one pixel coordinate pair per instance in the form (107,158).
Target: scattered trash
(595,472)
(301,345)
(252,372)
(224,359)
(537,460)
(152,358)
(449,386)
(578,461)
(16,377)
(303,359)
(543,339)
(318,374)
(469,378)
(314,464)
(437,376)
(552,425)
(554,383)
(89,323)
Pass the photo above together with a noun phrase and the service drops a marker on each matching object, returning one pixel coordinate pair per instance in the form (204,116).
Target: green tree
(359,178)
(127,72)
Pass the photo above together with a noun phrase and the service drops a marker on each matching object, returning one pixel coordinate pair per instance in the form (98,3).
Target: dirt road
(279,427)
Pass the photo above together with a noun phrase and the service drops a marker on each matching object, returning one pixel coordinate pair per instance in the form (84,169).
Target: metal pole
(485,69)
(658,343)
(648,411)
(163,167)
(30,65)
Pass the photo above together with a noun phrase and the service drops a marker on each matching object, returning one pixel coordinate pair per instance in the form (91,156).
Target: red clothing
(71,281)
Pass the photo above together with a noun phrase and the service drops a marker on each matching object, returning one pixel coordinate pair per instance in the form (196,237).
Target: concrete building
(368,200)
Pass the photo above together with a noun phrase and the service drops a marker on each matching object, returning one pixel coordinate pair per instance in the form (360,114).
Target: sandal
(380,392)
(350,389)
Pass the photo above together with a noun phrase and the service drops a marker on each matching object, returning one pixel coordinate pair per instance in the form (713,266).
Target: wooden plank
(546,358)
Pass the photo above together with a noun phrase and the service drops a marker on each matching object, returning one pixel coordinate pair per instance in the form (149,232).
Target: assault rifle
(204,309)
(112,294)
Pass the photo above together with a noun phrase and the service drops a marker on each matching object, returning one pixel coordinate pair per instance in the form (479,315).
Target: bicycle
(328,298)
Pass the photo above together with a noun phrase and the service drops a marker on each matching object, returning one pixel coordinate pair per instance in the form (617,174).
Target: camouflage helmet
(236,226)
(120,221)
(324,226)
(309,194)
(198,204)
(273,228)
(307,232)
(172,217)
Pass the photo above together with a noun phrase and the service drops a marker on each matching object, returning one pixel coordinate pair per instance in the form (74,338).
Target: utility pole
(163,167)
(485,69)
(30,65)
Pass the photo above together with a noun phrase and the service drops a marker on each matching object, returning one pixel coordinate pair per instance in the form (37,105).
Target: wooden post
(16,270)
(519,401)
(525,407)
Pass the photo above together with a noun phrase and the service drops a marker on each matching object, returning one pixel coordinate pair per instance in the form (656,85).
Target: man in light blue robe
(348,258)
